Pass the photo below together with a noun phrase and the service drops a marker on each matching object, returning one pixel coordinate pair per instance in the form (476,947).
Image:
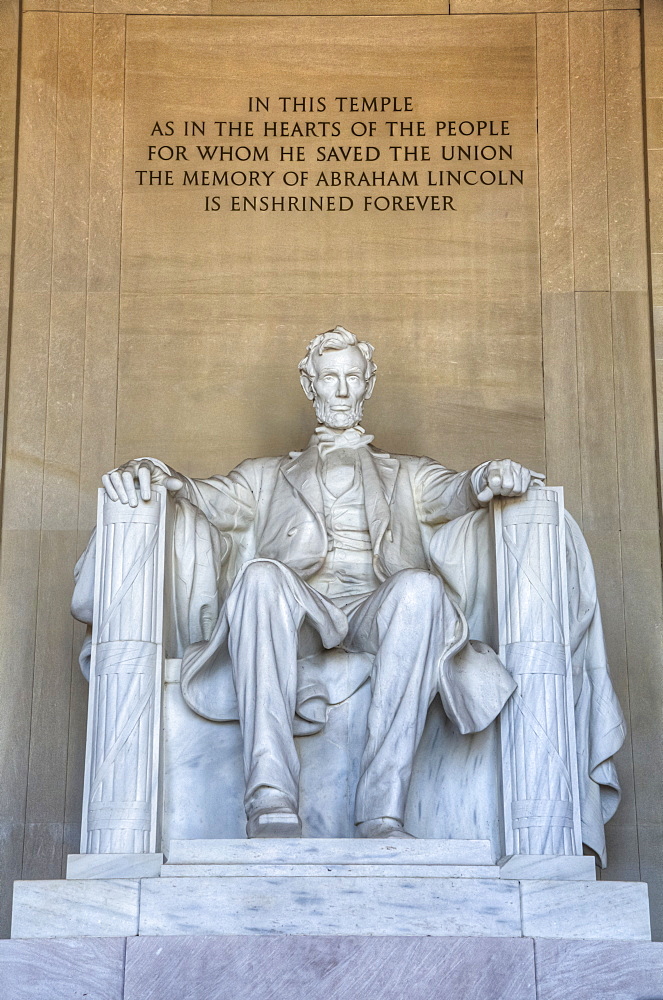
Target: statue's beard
(338,419)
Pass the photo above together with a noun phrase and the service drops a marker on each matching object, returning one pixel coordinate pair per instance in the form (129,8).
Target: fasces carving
(392,558)
(539,760)
(122,762)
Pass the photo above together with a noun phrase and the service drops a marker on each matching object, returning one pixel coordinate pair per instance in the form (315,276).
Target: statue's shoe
(383,826)
(273,823)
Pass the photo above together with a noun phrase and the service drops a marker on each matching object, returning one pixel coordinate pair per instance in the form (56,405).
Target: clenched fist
(504,478)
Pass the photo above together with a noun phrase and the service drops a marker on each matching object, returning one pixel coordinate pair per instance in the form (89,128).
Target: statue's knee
(419,588)
(262,576)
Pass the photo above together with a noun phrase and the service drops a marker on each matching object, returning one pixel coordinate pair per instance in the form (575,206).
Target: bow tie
(328,440)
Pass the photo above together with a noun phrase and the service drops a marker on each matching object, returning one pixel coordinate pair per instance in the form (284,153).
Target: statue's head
(338,374)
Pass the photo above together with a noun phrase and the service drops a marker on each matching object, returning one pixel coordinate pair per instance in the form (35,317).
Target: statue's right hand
(120,484)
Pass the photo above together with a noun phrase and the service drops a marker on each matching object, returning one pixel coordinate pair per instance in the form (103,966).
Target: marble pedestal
(332,887)
(330,968)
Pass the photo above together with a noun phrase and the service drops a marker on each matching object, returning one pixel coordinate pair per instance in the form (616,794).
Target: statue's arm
(443,494)
(228,502)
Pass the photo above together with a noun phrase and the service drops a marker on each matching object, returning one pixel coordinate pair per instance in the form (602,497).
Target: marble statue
(390,557)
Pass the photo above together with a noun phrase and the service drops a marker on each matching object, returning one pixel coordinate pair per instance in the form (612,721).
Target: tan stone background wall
(124,320)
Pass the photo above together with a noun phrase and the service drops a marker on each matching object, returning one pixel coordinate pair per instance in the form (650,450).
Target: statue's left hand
(504,478)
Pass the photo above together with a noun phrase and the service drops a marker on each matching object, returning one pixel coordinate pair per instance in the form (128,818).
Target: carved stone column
(541,808)
(120,796)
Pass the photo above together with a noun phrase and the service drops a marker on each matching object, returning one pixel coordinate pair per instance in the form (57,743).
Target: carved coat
(273,509)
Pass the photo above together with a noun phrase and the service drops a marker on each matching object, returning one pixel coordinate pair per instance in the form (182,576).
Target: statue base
(405,888)
(308,967)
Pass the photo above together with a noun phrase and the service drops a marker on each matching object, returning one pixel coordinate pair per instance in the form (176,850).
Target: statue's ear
(370,385)
(305,379)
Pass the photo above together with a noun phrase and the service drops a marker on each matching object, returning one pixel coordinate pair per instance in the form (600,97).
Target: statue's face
(339,387)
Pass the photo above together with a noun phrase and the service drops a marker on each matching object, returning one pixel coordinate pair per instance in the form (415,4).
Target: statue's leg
(406,623)
(264,618)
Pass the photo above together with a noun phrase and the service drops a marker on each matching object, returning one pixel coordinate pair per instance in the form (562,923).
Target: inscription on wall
(284,175)
(331,154)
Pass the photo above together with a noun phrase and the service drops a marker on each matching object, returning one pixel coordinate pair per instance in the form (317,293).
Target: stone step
(110,866)
(314,850)
(328,871)
(307,905)
(114,865)
(310,905)
(399,906)
(342,905)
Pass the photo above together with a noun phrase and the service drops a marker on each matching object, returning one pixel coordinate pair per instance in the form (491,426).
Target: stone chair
(157,772)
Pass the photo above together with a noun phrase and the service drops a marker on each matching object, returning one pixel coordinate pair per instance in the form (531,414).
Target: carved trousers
(406,623)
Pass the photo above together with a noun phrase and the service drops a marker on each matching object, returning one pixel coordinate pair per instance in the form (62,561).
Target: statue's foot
(273,823)
(383,826)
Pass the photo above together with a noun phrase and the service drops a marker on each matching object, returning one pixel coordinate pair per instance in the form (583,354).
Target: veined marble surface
(305,899)
(546,866)
(330,851)
(69,908)
(332,870)
(329,968)
(593,970)
(113,865)
(291,905)
(319,967)
(594,911)
(65,969)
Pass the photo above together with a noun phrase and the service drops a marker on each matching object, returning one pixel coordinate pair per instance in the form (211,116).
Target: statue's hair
(336,340)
